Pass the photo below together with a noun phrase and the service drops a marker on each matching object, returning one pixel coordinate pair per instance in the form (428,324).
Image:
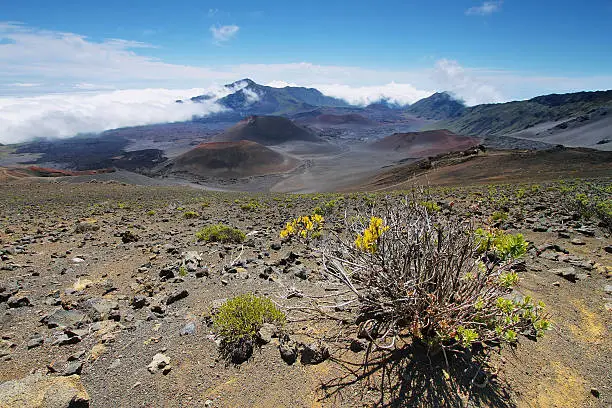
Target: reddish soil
(232,159)
(428,143)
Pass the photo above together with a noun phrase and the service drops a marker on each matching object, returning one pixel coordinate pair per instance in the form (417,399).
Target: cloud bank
(401,94)
(66,115)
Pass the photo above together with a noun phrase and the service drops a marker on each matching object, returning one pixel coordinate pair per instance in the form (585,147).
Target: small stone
(314,354)
(159,361)
(288,352)
(35,342)
(608,249)
(73,367)
(595,392)
(358,345)
(129,236)
(577,241)
(188,329)
(276,246)
(176,296)
(115,364)
(139,301)
(266,332)
(64,340)
(608,289)
(241,351)
(566,273)
(18,300)
(556,283)
(208,403)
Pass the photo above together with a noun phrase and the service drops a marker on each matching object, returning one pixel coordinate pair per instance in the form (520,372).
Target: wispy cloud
(485,9)
(224,33)
(24,84)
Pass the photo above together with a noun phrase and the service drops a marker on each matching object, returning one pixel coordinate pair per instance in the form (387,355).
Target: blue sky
(549,37)
(482,51)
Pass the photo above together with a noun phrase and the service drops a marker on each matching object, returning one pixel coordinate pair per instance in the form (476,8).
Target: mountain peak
(249,82)
(440,105)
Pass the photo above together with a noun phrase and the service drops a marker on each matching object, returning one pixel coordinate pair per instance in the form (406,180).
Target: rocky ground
(106,300)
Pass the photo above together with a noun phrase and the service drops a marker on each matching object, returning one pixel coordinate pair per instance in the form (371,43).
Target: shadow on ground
(408,377)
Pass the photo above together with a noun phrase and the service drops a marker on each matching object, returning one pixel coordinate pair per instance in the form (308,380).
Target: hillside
(421,144)
(266,130)
(440,105)
(505,118)
(230,159)
(458,169)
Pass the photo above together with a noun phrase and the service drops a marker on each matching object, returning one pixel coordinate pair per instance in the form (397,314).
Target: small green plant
(190,215)
(499,216)
(250,206)
(430,206)
(150,213)
(221,233)
(242,316)
(506,246)
(182,271)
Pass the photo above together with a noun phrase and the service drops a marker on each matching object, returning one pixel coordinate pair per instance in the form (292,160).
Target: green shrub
(220,233)
(499,216)
(190,215)
(250,206)
(242,316)
(430,206)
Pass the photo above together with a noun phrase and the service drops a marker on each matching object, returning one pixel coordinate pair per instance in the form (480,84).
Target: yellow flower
(368,241)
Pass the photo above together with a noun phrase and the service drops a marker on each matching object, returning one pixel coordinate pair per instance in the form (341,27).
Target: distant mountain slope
(266,130)
(231,159)
(428,143)
(324,117)
(440,105)
(505,118)
(254,99)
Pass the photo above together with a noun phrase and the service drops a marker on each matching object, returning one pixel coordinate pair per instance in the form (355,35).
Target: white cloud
(224,33)
(402,94)
(65,115)
(450,76)
(485,9)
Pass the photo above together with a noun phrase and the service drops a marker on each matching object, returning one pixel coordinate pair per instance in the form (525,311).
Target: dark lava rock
(275,246)
(288,352)
(18,300)
(358,345)
(300,271)
(176,296)
(166,273)
(314,354)
(129,236)
(241,351)
(139,301)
